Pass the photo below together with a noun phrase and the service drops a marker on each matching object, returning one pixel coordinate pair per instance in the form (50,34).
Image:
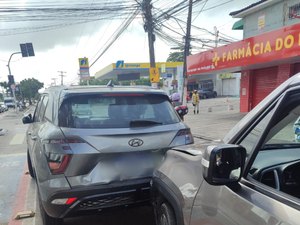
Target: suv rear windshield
(116,111)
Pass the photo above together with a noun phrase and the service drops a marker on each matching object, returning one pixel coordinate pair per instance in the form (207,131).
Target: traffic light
(11,79)
(23,50)
(30,49)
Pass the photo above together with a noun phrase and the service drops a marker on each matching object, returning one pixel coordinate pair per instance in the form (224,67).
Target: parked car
(207,93)
(252,178)
(4,107)
(91,148)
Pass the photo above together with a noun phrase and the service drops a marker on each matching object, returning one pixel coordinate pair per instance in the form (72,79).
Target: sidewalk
(216,117)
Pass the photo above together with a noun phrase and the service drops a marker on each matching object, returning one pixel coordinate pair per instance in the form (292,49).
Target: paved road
(216,117)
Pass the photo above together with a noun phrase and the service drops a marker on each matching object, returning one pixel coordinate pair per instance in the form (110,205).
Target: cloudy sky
(59,45)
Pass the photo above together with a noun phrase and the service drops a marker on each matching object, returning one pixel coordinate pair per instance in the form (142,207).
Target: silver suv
(95,147)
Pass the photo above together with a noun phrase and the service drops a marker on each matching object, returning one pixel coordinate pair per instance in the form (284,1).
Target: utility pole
(148,27)
(61,77)
(187,51)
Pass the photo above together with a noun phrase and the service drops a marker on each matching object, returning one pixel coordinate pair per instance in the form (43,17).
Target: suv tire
(165,215)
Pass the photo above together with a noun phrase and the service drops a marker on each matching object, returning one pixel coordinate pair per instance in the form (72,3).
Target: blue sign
(120,64)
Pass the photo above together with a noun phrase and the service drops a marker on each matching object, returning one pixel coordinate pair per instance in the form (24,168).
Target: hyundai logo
(135,142)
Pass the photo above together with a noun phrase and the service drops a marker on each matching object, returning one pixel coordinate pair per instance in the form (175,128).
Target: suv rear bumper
(98,197)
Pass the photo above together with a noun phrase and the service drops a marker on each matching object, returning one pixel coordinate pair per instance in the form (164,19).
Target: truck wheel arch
(162,194)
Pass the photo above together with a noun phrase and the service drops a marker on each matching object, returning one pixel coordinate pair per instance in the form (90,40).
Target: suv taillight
(58,163)
(183,137)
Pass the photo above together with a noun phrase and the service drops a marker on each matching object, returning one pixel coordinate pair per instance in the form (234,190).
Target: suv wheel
(165,215)
(48,220)
(31,171)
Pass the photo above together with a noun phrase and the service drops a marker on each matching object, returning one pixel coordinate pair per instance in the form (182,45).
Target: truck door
(269,192)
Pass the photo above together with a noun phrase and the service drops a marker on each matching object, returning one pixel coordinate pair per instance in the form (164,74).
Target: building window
(294,11)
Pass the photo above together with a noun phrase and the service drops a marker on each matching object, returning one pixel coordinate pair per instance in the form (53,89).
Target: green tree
(175,57)
(29,88)
(5,86)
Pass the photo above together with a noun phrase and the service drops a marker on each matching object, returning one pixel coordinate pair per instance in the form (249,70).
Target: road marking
(9,164)
(18,139)
(11,155)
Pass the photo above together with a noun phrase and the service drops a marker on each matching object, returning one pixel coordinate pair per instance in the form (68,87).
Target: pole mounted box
(27,49)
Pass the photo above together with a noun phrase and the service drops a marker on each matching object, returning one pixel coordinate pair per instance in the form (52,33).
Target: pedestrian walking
(195,101)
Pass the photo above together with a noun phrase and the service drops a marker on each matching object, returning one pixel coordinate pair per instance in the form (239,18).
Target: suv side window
(42,107)
(249,142)
(277,162)
(49,109)
(37,109)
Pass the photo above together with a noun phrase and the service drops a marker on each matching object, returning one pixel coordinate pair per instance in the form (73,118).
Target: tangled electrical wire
(168,19)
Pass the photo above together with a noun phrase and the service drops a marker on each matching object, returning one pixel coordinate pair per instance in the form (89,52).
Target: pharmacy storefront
(265,61)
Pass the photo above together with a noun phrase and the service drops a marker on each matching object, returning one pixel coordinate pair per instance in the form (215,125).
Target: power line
(200,10)
(117,35)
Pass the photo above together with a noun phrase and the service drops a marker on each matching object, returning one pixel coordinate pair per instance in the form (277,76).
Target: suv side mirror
(27,119)
(223,164)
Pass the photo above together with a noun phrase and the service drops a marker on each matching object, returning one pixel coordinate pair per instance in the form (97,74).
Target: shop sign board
(84,68)
(154,75)
(275,45)
(121,65)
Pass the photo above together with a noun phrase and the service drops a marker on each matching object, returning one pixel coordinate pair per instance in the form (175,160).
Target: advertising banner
(268,47)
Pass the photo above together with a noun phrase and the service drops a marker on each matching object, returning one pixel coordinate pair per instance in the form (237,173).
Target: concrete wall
(272,17)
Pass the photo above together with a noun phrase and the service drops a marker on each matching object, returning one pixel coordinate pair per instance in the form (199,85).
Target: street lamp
(11,81)
(26,51)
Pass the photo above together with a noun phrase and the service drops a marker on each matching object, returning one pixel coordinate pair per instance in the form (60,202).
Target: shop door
(229,87)
(264,82)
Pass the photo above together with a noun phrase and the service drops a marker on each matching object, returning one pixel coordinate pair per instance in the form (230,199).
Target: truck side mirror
(223,164)
(27,119)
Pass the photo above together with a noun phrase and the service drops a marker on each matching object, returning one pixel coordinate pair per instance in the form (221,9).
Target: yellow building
(134,71)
